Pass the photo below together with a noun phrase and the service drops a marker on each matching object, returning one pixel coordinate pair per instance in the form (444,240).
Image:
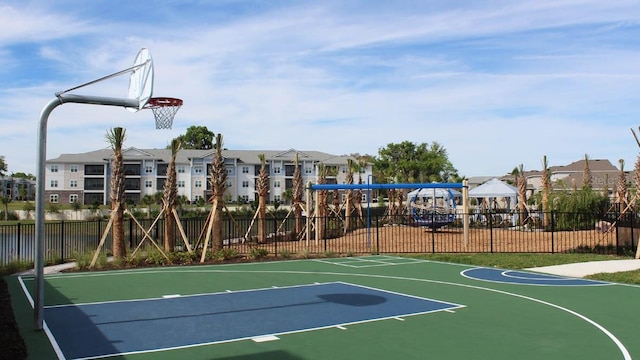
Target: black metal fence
(488,232)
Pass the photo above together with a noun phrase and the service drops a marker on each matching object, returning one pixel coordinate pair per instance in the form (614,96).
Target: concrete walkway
(589,268)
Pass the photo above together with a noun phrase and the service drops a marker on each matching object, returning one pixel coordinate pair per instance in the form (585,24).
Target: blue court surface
(526,278)
(92,330)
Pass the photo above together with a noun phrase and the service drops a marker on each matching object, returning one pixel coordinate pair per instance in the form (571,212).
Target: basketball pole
(38,301)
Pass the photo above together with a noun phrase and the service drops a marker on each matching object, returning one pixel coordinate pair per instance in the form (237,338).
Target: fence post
(553,228)
(18,245)
(489,217)
(433,233)
(62,241)
(275,227)
(633,223)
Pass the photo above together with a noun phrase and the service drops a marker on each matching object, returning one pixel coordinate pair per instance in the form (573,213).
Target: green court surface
(498,314)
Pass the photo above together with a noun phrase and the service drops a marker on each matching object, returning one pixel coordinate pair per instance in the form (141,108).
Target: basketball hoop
(164,109)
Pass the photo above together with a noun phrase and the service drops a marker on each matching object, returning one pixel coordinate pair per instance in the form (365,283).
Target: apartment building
(17,188)
(85,177)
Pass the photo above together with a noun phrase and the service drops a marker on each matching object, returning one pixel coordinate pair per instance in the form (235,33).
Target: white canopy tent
(495,188)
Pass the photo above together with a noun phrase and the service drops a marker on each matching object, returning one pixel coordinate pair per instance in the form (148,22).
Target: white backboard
(141,80)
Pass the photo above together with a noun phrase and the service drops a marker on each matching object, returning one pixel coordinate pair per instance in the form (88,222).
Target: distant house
(603,174)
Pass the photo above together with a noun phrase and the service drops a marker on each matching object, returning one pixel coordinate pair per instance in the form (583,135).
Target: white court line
(224,269)
(52,340)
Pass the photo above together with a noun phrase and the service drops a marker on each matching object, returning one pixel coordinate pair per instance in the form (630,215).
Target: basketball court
(376,307)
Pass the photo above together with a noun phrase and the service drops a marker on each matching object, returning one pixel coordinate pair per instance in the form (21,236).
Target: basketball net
(164,109)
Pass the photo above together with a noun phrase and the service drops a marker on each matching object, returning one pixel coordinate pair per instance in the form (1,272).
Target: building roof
(185,156)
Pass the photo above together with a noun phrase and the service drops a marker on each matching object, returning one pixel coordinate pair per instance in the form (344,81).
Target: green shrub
(258,253)
(16,266)
(225,254)
(285,254)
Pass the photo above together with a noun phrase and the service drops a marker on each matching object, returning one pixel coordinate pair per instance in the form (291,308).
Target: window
(73,198)
(276,170)
(53,198)
(197,169)
(54,168)
(198,183)
(231,170)
(245,184)
(54,183)
(148,169)
(181,183)
(94,169)
(308,170)
(276,183)
(198,198)
(245,198)
(228,184)
(277,198)
(245,169)
(93,184)
(343,169)
(180,169)
(148,183)
(73,168)
(73,183)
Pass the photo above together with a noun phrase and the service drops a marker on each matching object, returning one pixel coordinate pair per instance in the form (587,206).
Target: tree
(218,173)
(76,206)
(546,188)
(196,137)
(521,184)
(5,200)
(587,179)
(21,175)
(116,137)
(3,166)
(297,193)
(415,163)
(148,200)
(623,197)
(169,201)
(263,192)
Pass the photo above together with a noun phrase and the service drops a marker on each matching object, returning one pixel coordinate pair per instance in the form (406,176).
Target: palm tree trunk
(116,137)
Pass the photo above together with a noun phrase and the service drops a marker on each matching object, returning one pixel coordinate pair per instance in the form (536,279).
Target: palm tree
(322,202)
(349,198)
(262,187)
(546,188)
(623,197)
(169,201)
(148,200)
(587,179)
(218,181)
(298,187)
(521,185)
(116,137)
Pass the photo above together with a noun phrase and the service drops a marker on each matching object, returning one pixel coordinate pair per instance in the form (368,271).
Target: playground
(376,307)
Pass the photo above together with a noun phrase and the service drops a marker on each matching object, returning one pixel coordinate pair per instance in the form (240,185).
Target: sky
(496,83)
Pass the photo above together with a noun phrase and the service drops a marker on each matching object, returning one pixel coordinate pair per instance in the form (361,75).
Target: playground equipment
(432,207)
(368,187)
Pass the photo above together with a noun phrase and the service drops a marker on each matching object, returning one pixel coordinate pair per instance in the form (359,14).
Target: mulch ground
(11,341)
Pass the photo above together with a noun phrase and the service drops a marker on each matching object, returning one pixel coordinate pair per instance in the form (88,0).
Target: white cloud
(497,84)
